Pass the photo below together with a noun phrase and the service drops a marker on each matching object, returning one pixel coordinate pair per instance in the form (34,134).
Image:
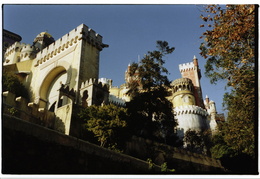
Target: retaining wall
(28,148)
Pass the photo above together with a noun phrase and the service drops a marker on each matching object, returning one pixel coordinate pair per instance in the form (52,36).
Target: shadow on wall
(59,125)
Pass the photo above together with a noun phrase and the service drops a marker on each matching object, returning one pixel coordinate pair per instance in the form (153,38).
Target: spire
(195,61)
(207,99)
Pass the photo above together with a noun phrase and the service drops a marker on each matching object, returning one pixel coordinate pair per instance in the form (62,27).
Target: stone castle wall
(29,111)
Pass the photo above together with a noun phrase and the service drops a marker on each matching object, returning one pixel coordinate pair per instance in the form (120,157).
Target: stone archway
(50,85)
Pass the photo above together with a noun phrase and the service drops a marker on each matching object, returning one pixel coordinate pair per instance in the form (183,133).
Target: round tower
(182,89)
(43,40)
(188,114)
(27,52)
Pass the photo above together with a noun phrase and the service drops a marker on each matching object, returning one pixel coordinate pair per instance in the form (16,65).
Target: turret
(191,70)
(211,109)
(27,52)
(43,40)
(210,105)
(134,77)
(182,89)
(188,114)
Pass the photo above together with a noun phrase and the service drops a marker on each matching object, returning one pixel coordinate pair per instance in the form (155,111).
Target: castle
(191,111)
(63,73)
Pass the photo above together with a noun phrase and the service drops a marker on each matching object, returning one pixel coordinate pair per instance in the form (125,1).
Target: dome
(42,34)
(43,40)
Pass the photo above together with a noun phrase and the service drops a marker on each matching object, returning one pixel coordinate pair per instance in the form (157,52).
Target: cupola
(42,40)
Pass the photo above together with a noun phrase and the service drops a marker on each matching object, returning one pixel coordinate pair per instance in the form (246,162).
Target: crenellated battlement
(182,84)
(27,47)
(93,81)
(19,52)
(116,101)
(12,48)
(82,32)
(65,90)
(186,66)
(16,47)
(190,109)
(71,38)
(181,81)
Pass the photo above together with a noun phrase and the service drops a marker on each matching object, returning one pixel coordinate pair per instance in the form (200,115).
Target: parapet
(116,101)
(65,90)
(186,66)
(93,81)
(13,48)
(182,84)
(181,81)
(27,52)
(106,81)
(19,51)
(77,34)
(29,111)
(190,109)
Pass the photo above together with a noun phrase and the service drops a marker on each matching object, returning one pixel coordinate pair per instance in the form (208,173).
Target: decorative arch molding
(61,66)
(46,83)
(51,74)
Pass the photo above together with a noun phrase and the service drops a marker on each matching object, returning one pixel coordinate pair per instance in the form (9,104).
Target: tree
(229,47)
(107,123)
(219,146)
(150,110)
(198,141)
(11,83)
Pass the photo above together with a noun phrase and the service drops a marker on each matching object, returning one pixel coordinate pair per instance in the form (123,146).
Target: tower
(187,113)
(211,108)
(131,76)
(60,74)
(191,70)
(127,74)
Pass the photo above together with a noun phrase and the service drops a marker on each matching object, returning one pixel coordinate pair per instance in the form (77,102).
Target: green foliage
(107,123)
(165,169)
(219,146)
(198,141)
(13,111)
(11,83)
(151,112)
(229,48)
(150,163)
(151,72)
(115,148)
(193,141)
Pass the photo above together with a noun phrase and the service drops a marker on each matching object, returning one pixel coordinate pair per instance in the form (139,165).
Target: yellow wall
(182,98)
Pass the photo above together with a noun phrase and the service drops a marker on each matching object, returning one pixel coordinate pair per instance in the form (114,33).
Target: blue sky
(129,30)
